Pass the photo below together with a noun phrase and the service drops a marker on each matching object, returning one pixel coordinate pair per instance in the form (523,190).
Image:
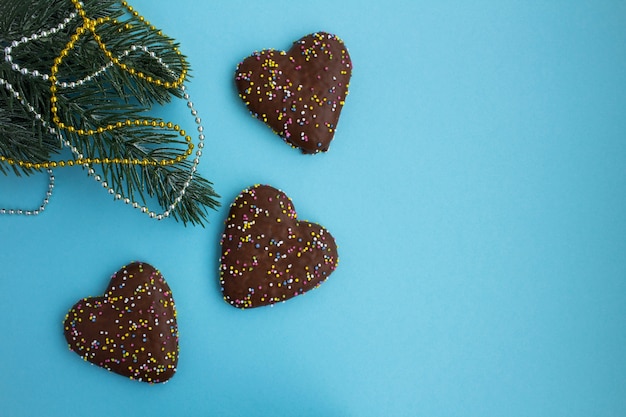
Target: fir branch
(96,99)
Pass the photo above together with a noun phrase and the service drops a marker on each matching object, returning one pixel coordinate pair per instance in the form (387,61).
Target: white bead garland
(35,73)
(43,205)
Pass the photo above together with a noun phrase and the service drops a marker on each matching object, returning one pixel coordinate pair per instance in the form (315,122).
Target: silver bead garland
(34,73)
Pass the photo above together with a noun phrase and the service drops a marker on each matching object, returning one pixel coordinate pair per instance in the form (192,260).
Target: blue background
(476,187)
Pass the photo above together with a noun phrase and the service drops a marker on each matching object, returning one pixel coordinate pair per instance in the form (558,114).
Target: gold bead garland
(89,26)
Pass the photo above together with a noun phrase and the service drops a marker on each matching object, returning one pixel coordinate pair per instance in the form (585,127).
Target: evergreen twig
(112,96)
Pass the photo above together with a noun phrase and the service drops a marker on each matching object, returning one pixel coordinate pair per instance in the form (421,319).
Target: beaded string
(90,25)
(43,204)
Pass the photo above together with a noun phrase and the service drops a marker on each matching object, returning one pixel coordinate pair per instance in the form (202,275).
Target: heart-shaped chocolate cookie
(132,329)
(298,93)
(268,255)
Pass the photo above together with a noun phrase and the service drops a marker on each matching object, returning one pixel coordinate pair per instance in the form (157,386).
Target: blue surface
(476,187)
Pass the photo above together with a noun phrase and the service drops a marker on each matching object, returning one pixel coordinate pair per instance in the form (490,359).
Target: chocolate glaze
(298,93)
(130,330)
(268,255)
